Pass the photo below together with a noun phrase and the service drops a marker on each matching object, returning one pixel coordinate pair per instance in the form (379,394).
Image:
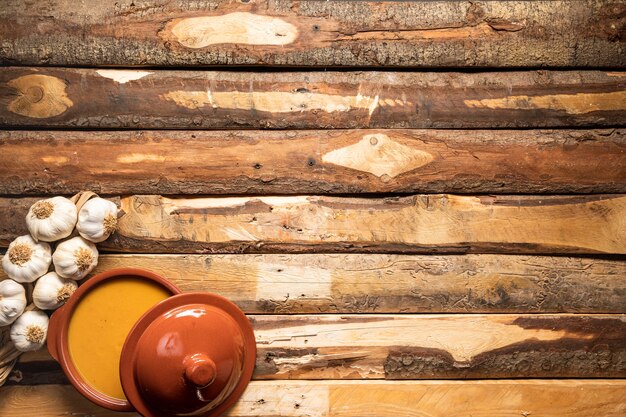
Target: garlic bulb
(75,258)
(26,260)
(97,219)
(12,301)
(51,219)
(29,331)
(52,291)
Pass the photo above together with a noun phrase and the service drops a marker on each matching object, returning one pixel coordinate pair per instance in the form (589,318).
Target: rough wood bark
(88,98)
(425,346)
(319,162)
(314,33)
(359,283)
(414,224)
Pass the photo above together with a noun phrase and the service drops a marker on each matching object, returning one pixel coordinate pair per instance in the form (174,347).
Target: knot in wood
(34,94)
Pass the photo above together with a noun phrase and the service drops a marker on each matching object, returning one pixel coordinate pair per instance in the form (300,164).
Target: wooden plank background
(426,34)
(444,346)
(333,398)
(316,162)
(142,99)
(415,224)
(421,206)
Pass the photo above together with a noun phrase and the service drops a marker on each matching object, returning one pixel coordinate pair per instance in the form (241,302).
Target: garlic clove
(97,219)
(12,301)
(51,291)
(75,258)
(26,260)
(51,219)
(29,331)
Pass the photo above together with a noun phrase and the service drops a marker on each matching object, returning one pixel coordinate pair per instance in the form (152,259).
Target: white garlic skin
(75,258)
(97,219)
(51,291)
(12,301)
(30,330)
(37,264)
(51,219)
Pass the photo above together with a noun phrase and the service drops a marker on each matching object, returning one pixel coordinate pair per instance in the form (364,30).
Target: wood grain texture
(438,223)
(371,283)
(319,162)
(433,223)
(358,283)
(420,347)
(546,398)
(88,98)
(315,33)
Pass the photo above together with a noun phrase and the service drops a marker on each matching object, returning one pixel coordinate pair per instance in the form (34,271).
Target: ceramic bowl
(59,325)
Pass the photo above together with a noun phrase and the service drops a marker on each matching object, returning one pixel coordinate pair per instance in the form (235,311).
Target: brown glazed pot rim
(127,370)
(58,332)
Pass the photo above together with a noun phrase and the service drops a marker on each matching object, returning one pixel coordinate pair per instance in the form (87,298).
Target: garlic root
(75,258)
(51,219)
(52,291)
(30,330)
(26,260)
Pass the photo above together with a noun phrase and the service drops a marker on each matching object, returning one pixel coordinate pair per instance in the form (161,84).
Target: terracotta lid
(192,354)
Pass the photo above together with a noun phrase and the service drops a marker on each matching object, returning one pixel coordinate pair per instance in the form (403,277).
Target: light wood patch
(379,155)
(123,76)
(277,282)
(463,337)
(134,158)
(579,103)
(58,160)
(232,28)
(39,96)
(271,101)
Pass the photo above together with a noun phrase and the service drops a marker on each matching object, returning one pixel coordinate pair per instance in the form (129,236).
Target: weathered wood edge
(425,346)
(315,162)
(433,34)
(440,223)
(162,99)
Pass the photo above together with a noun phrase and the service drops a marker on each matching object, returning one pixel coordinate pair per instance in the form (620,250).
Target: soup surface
(99,326)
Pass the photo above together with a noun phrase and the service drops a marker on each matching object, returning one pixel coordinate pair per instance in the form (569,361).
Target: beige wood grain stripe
(520,224)
(414,224)
(344,283)
(392,346)
(548,398)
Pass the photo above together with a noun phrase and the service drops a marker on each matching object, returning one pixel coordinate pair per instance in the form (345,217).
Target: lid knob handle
(200,370)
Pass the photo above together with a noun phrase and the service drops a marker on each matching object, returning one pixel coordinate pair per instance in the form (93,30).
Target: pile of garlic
(29,259)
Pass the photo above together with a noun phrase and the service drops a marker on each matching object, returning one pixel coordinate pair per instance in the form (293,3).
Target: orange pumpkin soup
(99,326)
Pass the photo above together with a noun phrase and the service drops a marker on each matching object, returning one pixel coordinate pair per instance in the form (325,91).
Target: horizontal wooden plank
(372,283)
(314,33)
(546,398)
(437,223)
(318,162)
(92,98)
(420,347)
